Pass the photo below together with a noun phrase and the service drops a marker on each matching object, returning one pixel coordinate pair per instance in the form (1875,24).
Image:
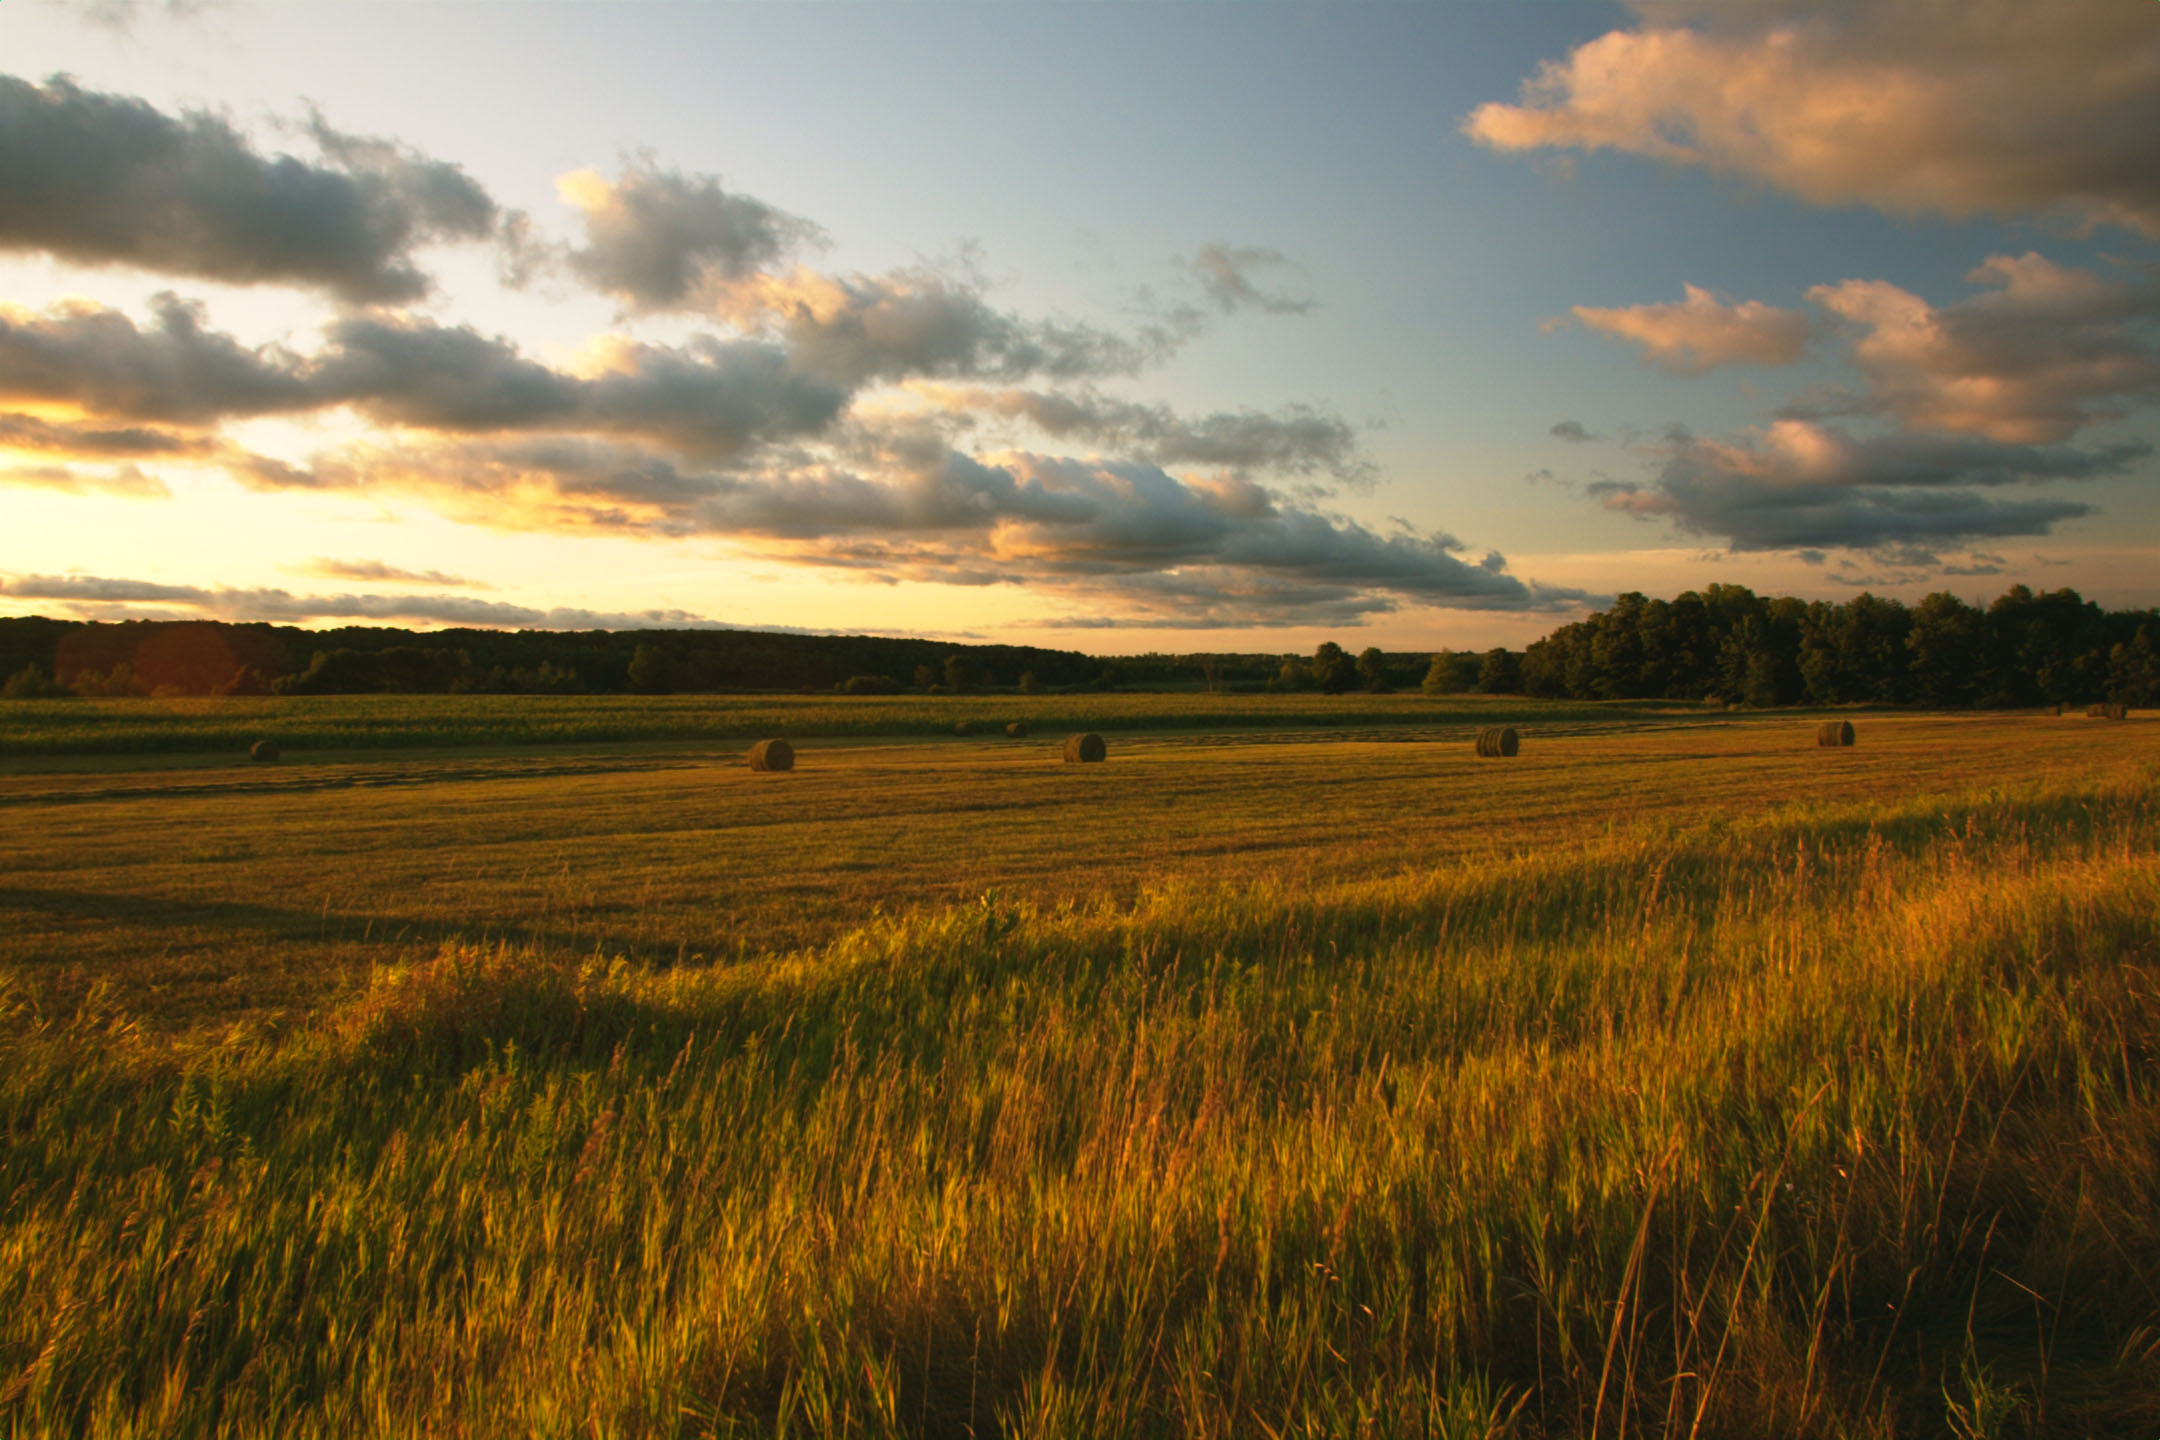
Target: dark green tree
(1500,672)
(1333,670)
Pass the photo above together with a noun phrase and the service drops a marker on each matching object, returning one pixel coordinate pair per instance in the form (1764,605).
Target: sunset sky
(1113,327)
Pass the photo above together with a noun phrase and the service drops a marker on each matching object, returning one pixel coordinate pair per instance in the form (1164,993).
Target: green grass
(374,722)
(1669,1082)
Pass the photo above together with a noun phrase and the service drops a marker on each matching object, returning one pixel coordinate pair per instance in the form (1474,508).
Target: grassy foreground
(1840,1122)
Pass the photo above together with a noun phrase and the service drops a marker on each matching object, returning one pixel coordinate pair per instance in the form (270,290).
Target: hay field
(341,723)
(202,890)
(1666,1078)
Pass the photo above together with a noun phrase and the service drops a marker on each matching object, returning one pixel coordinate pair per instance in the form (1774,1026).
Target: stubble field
(1675,1076)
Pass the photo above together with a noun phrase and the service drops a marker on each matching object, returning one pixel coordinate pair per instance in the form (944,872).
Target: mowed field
(201,890)
(1675,1077)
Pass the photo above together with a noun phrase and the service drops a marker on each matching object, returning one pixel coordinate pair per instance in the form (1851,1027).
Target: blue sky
(1308,313)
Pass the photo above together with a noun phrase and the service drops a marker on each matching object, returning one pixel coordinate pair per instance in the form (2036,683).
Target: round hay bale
(772,755)
(1498,740)
(1087,749)
(1834,734)
(264,750)
(1017,730)
(2109,712)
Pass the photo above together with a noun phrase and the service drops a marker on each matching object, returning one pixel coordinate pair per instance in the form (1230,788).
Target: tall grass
(1842,1125)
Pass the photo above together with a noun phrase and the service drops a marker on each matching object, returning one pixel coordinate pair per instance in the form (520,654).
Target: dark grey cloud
(174,372)
(661,240)
(1294,440)
(1572,432)
(1226,272)
(1802,486)
(94,178)
(921,513)
(859,329)
(708,398)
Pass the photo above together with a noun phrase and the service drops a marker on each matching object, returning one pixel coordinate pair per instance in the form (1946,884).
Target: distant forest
(1731,644)
(208,657)
(1725,643)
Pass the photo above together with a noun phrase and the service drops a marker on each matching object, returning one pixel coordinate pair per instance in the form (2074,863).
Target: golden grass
(200,892)
(1690,1109)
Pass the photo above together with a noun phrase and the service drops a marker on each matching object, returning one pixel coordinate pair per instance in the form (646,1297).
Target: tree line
(42,656)
(1728,643)
(1724,643)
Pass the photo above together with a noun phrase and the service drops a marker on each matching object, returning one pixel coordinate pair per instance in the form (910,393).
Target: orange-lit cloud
(1953,107)
(87,441)
(109,597)
(1702,332)
(376,572)
(2045,352)
(127,481)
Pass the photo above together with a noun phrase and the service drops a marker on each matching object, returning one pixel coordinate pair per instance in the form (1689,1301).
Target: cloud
(122,480)
(2045,351)
(710,398)
(858,329)
(377,572)
(1691,336)
(120,16)
(283,607)
(1801,485)
(100,179)
(922,513)
(1225,273)
(175,372)
(29,432)
(1952,107)
(1294,440)
(660,240)
(1572,432)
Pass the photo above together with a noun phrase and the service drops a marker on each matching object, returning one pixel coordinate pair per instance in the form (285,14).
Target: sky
(1210,325)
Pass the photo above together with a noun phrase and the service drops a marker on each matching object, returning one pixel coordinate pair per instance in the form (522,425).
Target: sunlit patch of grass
(1838,1121)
